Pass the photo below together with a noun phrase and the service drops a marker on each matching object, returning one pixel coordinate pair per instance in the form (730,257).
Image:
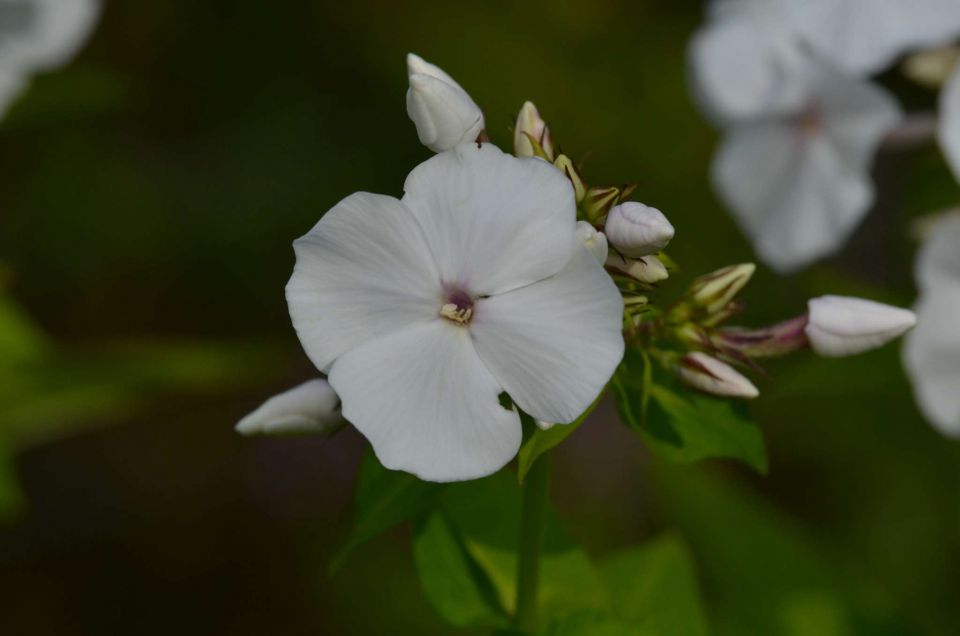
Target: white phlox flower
(426,309)
(799,184)
(932,350)
(309,408)
(38,35)
(594,241)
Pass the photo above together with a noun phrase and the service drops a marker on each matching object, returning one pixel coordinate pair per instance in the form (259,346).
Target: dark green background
(150,192)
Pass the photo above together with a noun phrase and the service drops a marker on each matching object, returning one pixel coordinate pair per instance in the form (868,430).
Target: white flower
(594,241)
(932,350)
(38,35)
(311,407)
(948,133)
(842,326)
(799,184)
(713,376)
(442,111)
(744,60)
(637,230)
(426,309)
(864,36)
(531,124)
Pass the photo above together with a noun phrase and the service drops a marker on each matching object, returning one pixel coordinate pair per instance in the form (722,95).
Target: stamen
(457,306)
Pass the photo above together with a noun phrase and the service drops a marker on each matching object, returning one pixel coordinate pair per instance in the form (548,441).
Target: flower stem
(535,495)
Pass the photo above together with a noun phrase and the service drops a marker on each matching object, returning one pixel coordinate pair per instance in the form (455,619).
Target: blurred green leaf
(20,340)
(596,624)
(682,425)
(541,441)
(486,514)
(655,585)
(384,499)
(457,587)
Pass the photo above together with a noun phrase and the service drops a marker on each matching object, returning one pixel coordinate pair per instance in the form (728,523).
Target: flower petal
(311,407)
(948,133)
(427,403)
(363,271)
(938,263)
(493,222)
(932,359)
(553,345)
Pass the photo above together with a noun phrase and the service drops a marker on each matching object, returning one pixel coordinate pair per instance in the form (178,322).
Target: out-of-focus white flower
(647,269)
(932,350)
(744,61)
(38,35)
(948,133)
(842,326)
(932,68)
(312,407)
(863,37)
(443,112)
(594,241)
(799,184)
(637,230)
(426,309)
(710,375)
(530,124)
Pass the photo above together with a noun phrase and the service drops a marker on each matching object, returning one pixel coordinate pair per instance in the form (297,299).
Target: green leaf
(541,441)
(384,499)
(454,583)
(655,586)
(682,425)
(485,514)
(20,340)
(596,624)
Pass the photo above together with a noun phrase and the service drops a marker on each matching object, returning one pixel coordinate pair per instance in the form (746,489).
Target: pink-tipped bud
(710,375)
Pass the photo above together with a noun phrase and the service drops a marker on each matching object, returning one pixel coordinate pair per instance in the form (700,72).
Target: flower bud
(565,165)
(594,241)
(710,375)
(598,201)
(648,269)
(312,407)
(442,111)
(531,136)
(842,326)
(637,230)
(544,426)
(714,291)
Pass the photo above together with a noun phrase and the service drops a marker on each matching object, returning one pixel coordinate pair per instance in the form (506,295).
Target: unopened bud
(598,201)
(769,342)
(648,269)
(842,326)
(594,241)
(565,165)
(637,230)
(531,136)
(310,408)
(710,375)
(714,291)
(443,112)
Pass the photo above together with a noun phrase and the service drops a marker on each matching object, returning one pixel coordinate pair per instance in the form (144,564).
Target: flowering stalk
(536,489)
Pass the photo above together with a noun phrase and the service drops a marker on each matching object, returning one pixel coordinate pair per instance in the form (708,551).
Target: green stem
(535,495)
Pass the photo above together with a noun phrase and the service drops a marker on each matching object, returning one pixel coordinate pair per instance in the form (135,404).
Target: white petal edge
(931,355)
(493,222)
(427,403)
(311,407)
(553,345)
(363,271)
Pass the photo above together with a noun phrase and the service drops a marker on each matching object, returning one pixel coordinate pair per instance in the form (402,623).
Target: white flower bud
(442,111)
(594,241)
(530,124)
(637,230)
(710,375)
(648,269)
(312,407)
(843,326)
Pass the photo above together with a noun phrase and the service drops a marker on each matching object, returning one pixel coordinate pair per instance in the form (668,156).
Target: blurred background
(149,195)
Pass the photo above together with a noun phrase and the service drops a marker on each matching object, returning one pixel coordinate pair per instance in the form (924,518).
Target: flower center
(457,306)
(808,122)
